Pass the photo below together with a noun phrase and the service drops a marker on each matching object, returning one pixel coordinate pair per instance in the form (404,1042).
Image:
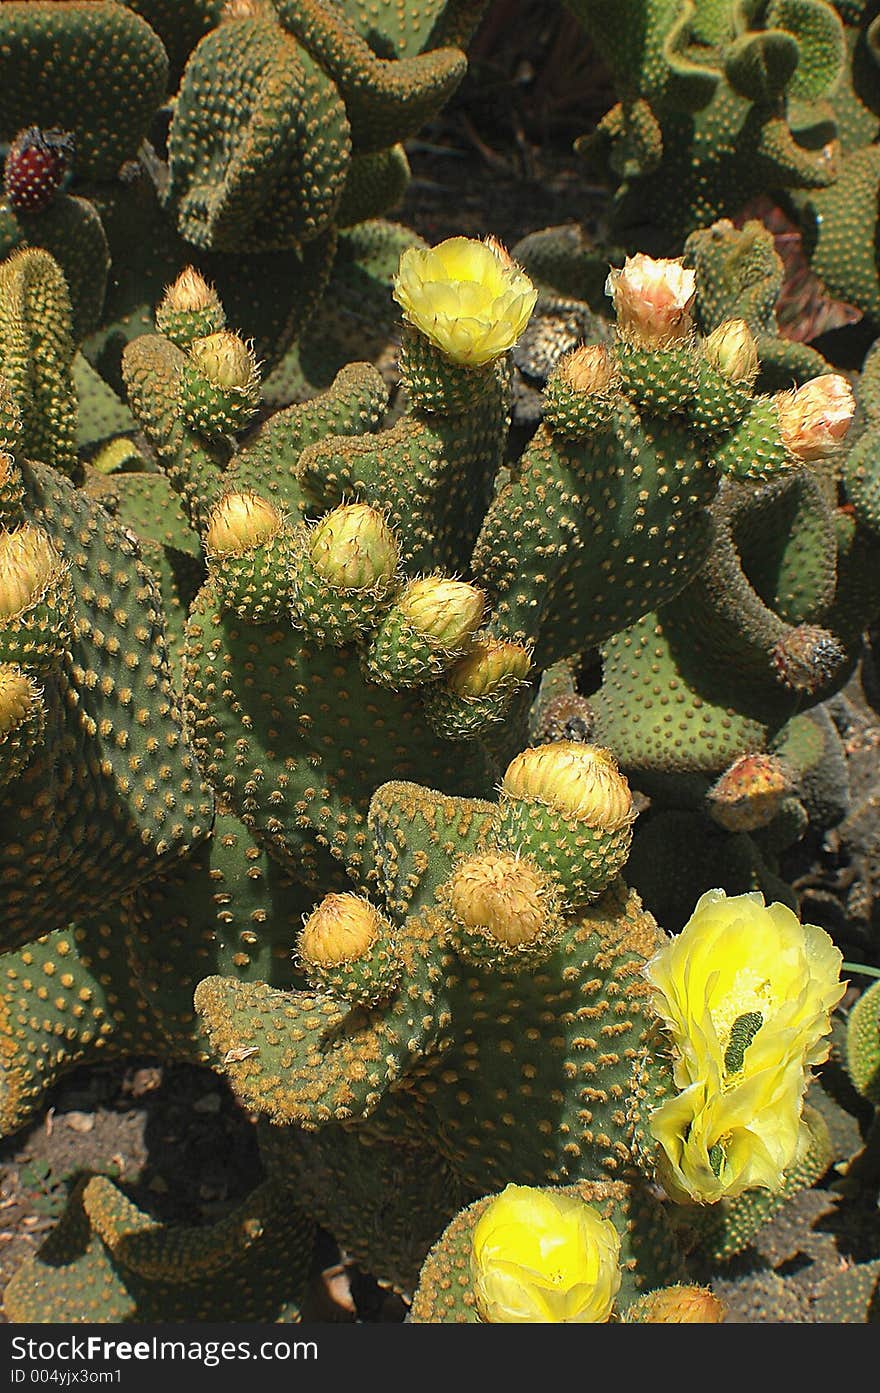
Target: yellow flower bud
(509,897)
(226,361)
(353,548)
(814,420)
(468,298)
(488,664)
(580,781)
(341,929)
(652,300)
(28,561)
(446,611)
(732,350)
(544,1257)
(20,697)
(588,369)
(240,521)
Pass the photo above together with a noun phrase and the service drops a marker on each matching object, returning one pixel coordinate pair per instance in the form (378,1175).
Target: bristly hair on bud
(342,928)
(814,419)
(588,368)
(733,351)
(353,548)
(808,657)
(582,782)
(240,521)
(28,562)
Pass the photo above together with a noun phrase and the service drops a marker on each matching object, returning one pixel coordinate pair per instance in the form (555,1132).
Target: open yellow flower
(746,993)
(716,1142)
(541,1257)
(745,987)
(468,297)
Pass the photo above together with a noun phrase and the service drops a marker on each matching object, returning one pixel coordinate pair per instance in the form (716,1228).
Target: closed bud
(226,361)
(508,897)
(446,611)
(652,300)
(240,521)
(190,309)
(353,548)
(749,794)
(678,1305)
(582,782)
(28,561)
(20,698)
(489,664)
(732,351)
(588,369)
(341,929)
(189,293)
(814,420)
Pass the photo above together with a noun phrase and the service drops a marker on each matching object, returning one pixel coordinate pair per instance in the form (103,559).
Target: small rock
(80,1121)
(145,1081)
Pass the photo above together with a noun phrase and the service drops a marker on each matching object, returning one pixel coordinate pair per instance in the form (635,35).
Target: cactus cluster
(321,724)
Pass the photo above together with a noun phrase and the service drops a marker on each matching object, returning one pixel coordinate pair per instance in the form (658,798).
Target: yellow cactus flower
(544,1257)
(716,1142)
(746,993)
(468,297)
(745,987)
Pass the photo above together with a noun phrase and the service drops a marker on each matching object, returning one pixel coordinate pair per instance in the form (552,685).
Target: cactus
(111,1261)
(649,1258)
(285,125)
(712,106)
(272,700)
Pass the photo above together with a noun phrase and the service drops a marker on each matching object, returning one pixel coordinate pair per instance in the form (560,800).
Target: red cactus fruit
(35,168)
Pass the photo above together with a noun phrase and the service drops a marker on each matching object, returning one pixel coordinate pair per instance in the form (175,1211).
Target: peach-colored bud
(190,292)
(678,1305)
(652,300)
(587,369)
(814,420)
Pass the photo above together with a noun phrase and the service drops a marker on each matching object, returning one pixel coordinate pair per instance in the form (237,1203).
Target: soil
(499,160)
